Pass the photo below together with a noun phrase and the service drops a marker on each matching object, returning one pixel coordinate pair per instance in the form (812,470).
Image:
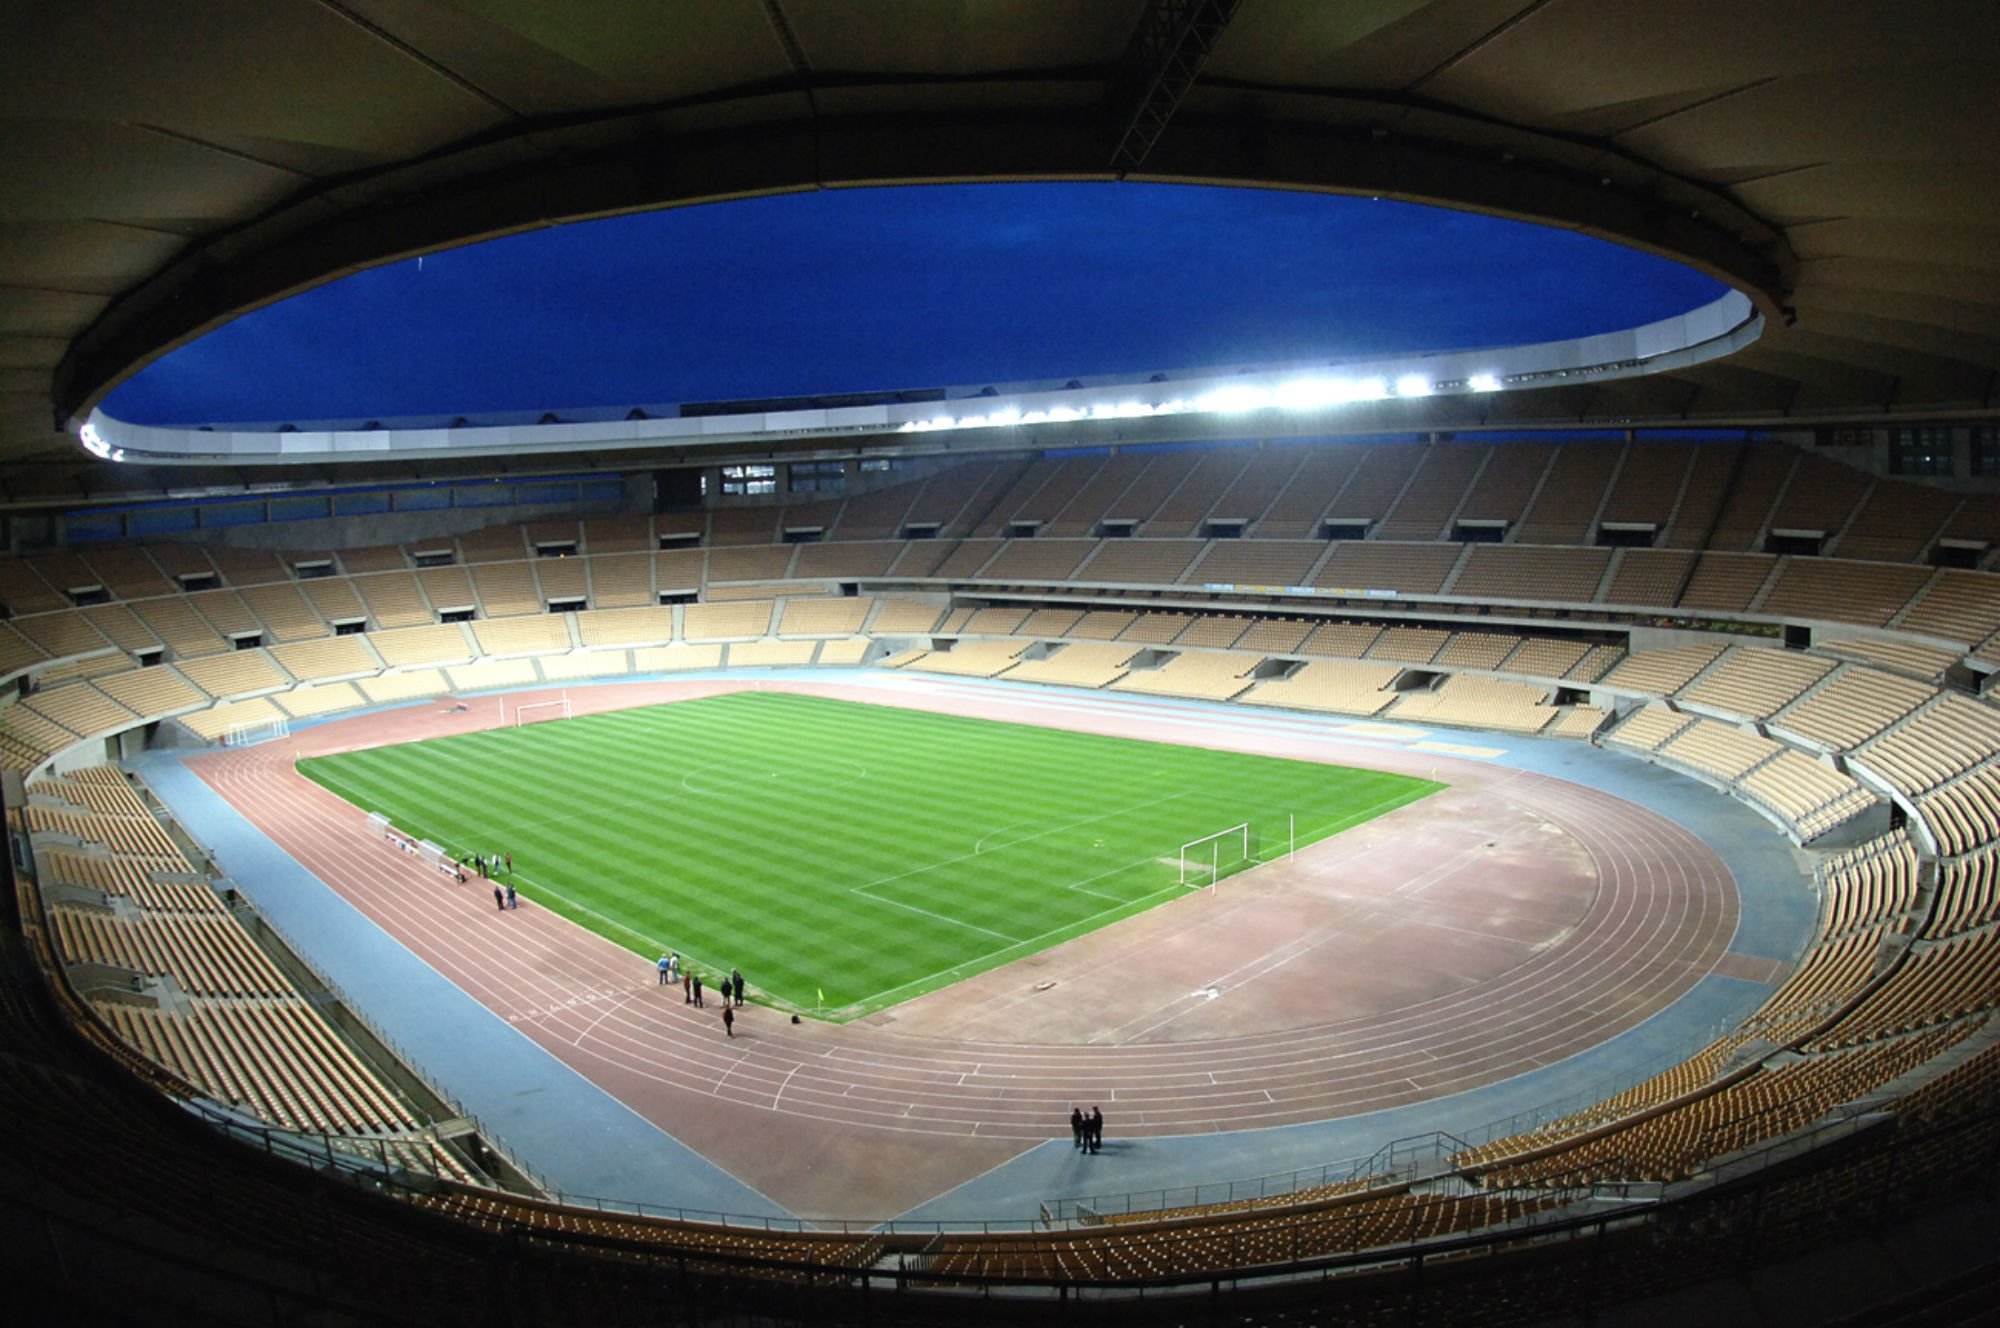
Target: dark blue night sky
(855,290)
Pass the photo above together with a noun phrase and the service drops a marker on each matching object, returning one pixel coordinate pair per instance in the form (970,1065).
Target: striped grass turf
(845,857)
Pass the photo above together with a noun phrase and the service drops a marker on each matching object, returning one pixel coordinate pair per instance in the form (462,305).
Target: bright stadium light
(1229,400)
(1370,389)
(1413,385)
(1312,393)
(1484,382)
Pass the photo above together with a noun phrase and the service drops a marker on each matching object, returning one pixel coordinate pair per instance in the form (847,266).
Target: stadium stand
(1885,703)
(334,657)
(1480,703)
(284,612)
(1079,664)
(1755,682)
(240,674)
(1407,569)
(1195,673)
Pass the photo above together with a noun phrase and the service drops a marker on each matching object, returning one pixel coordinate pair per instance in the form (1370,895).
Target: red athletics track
(1506,923)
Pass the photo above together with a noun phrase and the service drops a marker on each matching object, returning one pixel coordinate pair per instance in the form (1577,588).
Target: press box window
(749,479)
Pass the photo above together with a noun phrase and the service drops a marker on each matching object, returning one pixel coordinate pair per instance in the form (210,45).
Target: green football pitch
(845,857)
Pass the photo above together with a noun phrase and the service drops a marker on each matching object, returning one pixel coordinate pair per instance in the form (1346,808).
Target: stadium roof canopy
(171,163)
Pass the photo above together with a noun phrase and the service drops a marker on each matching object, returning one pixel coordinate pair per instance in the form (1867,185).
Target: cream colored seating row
(676,658)
(1717,749)
(1146,562)
(331,657)
(1869,884)
(845,652)
(740,619)
(176,623)
(1577,721)
(1919,661)
(1756,682)
(1648,728)
(86,791)
(994,622)
(1336,686)
(1937,981)
(1156,628)
(564,580)
(1968,895)
(1209,676)
(1811,797)
(1483,650)
(1100,624)
(771,653)
(1408,569)
(1528,572)
(1945,739)
(1843,591)
(1662,672)
(1275,636)
(139,835)
(626,627)
(1852,706)
(1078,664)
(842,616)
(896,615)
(544,634)
(1412,645)
(319,699)
(412,647)
(971,659)
(81,708)
(271,1057)
(216,721)
(129,876)
(208,955)
(508,590)
(239,674)
(285,612)
(1213,631)
(585,664)
(1965,814)
(394,599)
(1480,703)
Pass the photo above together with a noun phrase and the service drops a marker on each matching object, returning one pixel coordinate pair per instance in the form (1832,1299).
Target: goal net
(1207,860)
(537,711)
(256,731)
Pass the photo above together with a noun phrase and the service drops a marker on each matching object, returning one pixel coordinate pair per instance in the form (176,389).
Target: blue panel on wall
(483,495)
(360,504)
(602,491)
(545,493)
(422,500)
(94,525)
(232,514)
(308,508)
(151,521)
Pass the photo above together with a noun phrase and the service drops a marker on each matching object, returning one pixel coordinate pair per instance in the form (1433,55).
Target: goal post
(534,712)
(1206,860)
(256,731)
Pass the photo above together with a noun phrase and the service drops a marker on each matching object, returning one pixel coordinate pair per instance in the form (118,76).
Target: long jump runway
(1508,923)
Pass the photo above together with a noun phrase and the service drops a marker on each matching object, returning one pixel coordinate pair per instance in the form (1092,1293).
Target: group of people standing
(731,987)
(489,868)
(1088,1130)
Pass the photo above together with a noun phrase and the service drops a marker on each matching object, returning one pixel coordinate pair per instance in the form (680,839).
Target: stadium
(1506,834)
